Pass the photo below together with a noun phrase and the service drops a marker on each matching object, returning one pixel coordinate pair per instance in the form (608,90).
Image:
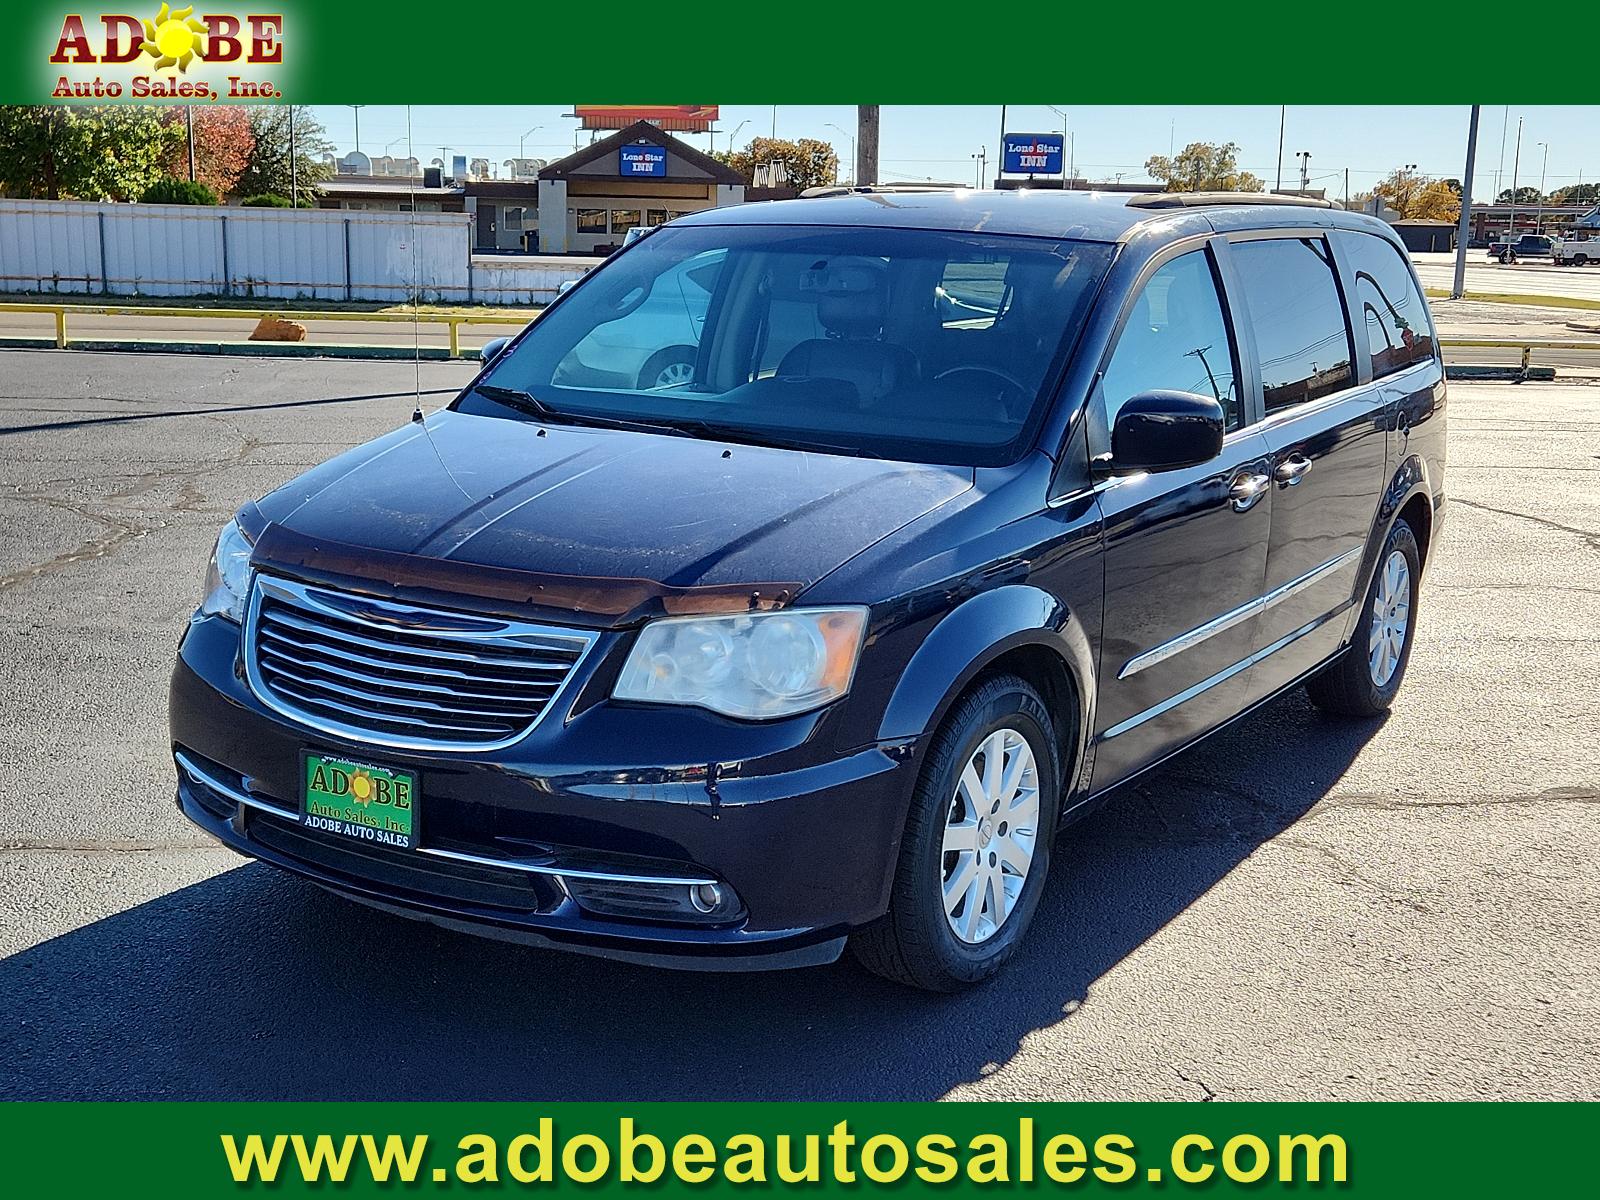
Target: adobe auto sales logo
(174,55)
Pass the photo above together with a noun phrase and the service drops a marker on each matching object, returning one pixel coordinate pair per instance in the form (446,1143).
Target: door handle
(1246,490)
(1292,470)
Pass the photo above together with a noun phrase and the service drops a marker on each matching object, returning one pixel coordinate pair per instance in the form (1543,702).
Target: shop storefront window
(591,220)
(624,219)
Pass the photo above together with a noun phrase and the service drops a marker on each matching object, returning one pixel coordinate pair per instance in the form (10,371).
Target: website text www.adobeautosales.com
(1022,1154)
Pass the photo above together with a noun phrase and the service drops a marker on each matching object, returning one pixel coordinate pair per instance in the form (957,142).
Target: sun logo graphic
(361,789)
(174,38)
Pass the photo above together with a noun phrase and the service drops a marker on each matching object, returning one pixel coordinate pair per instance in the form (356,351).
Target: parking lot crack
(1209,1093)
(1590,537)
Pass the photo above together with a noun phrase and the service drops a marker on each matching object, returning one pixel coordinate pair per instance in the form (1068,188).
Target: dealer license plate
(360,800)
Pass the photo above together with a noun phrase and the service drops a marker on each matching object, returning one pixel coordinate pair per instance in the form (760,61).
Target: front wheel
(976,847)
(1364,680)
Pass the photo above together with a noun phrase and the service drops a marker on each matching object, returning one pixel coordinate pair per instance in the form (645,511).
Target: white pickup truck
(1577,251)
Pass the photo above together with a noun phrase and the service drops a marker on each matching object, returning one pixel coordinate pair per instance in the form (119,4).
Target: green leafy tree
(178,191)
(1578,193)
(267,167)
(1203,167)
(112,152)
(266,200)
(809,162)
(1525,195)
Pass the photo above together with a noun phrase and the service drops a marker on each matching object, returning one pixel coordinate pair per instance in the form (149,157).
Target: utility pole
(1002,139)
(1516,163)
(294,165)
(1305,170)
(1500,167)
(188,120)
(1347,189)
(1459,287)
(1283,117)
(867,145)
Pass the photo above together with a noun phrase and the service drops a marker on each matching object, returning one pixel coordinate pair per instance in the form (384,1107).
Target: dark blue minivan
(797,577)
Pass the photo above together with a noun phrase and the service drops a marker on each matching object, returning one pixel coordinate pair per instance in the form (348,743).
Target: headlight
(228,575)
(752,665)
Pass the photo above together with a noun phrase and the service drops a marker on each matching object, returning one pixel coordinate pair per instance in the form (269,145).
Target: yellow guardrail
(454,320)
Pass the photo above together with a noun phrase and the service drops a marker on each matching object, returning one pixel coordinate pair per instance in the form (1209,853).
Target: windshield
(906,344)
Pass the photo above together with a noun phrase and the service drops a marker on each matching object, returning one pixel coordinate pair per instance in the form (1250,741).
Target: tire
(916,943)
(1355,683)
(1581,260)
(654,373)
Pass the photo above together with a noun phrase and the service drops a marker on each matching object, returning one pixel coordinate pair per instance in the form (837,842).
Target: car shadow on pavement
(254,985)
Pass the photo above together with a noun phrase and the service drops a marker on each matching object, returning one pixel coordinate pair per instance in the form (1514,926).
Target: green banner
(1367,1150)
(404,51)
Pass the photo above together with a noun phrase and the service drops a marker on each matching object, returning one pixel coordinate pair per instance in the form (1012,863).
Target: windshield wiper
(527,402)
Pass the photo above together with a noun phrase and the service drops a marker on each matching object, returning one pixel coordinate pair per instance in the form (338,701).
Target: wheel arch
(1018,629)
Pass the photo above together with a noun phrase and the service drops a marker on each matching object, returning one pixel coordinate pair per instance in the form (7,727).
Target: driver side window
(1176,338)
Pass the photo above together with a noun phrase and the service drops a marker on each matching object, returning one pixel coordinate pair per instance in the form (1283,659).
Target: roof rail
(843,189)
(1212,199)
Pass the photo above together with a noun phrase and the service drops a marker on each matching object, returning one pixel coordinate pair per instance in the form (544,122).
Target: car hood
(611,523)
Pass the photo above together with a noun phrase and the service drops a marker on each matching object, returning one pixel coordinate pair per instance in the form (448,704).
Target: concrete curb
(243,349)
(1515,374)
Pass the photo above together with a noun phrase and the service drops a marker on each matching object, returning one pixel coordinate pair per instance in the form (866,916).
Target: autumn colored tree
(222,145)
(1203,167)
(110,152)
(1416,199)
(809,162)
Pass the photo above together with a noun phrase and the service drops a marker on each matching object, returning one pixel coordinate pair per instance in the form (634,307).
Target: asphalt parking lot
(1297,909)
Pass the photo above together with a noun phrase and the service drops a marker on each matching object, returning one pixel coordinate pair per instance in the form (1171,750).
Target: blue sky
(938,141)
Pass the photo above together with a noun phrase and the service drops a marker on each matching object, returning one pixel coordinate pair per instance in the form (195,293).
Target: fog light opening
(706,897)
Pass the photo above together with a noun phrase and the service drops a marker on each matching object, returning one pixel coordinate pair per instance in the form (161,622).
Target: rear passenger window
(1297,315)
(1399,333)
(1176,337)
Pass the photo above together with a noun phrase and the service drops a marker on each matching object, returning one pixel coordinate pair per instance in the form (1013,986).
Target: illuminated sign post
(1032,154)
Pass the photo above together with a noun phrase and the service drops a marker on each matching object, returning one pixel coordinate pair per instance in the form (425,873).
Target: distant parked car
(1525,245)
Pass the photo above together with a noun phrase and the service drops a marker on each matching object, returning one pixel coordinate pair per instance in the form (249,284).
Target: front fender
(975,634)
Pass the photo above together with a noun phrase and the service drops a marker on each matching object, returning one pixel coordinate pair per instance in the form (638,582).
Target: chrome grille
(402,675)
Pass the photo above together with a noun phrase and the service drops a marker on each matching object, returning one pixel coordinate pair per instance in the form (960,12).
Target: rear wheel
(1364,680)
(976,847)
(672,367)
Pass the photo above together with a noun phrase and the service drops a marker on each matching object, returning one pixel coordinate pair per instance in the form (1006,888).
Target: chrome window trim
(495,631)
(1222,676)
(1232,617)
(198,774)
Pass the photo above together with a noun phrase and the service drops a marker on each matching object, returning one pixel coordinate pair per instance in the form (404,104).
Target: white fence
(67,246)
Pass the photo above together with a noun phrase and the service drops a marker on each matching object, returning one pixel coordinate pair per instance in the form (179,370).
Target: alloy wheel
(990,833)
(1391,616)
(674,375)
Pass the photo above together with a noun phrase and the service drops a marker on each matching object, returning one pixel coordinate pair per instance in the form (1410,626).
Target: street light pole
(852,138)
(356,108)
(1538,221)
(522,147)
(1283,117)
(1516,162)
(1305,170)
(1459,286)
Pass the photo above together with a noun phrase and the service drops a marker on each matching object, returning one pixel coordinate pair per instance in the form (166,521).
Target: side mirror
(491,349)
(1164,430)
